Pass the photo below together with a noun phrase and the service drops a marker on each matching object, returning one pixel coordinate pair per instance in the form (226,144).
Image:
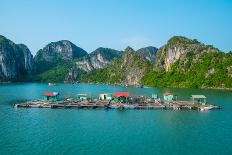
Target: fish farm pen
(121,101)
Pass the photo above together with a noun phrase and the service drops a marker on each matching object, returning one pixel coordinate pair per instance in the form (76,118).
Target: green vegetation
(198,65)
(119,69)
(183,40)
(55,74)
(214,69)
(98,75)
(110,74)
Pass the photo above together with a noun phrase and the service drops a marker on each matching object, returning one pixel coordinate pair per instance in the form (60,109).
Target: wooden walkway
(171,105)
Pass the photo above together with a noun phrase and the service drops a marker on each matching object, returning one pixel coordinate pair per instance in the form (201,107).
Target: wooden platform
(168,105)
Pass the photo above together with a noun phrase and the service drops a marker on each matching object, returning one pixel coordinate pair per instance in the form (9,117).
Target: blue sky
(116,23)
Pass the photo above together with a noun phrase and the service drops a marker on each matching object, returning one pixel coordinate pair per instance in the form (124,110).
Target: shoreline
(117,84)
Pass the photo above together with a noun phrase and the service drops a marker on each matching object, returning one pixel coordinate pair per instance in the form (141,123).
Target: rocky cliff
(129,69)
(57,52)
(181,62)
(132,67)
(15,60)
(180,48)
(148,53)
(97,59)
(184,62)
(28,58)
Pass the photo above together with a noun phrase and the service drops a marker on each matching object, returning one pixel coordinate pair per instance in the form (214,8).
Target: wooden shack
(154,96)
(169,97)
(82,97)
(105,96)
(199,99)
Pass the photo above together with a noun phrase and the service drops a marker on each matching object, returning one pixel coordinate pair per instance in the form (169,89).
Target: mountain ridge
(16,60)
(181,62)
(56,52)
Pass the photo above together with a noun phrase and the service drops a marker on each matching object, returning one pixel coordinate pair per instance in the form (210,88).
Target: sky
(116,23)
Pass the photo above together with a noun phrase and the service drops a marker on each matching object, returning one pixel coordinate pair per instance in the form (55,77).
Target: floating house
(169,97)
(105,96)
(154,96)
(51,96)
(82,97)
(199,99)
(121,96)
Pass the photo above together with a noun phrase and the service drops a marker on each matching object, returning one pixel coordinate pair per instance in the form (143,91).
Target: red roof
(51,93)
(119,94)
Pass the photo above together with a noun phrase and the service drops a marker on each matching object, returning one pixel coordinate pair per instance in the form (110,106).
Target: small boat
(68,99)
(51,84)
(206,108)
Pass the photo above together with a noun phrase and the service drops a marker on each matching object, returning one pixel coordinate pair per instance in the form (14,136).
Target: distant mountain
(57,52)
(129,68)
(179,48)
(71,70)
(97,59)
(148,53)
(16,60)
(183,62)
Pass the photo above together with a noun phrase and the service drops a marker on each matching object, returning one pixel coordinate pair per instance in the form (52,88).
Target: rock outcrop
(15,60)
(128,69)
(28,58)
(133,67)
(148,53)
(182,62)
(97,59)
(57,52)
(180,48)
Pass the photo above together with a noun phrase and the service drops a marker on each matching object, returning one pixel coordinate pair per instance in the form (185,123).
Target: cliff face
(57,52)
(148,53)
(183,62)
(181,48)
(128,68)
(97,59)
(28,58)
(133,67)
(15,60)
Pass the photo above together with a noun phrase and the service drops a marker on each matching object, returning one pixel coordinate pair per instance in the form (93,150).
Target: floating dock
(151,104)
(120,100)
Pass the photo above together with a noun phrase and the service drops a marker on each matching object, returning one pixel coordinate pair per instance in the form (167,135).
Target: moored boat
(51,84)
(206,108)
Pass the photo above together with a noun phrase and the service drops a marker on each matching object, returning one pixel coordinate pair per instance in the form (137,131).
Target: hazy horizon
(116,24)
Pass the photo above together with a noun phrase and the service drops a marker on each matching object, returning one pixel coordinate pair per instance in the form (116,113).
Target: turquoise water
(97,132)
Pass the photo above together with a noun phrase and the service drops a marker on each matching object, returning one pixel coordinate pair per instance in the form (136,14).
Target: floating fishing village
(120,100)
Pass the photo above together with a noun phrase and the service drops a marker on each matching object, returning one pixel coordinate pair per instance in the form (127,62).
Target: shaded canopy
(50,94)
(119,94)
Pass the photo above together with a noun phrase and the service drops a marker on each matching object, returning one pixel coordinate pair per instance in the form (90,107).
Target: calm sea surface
(111,132)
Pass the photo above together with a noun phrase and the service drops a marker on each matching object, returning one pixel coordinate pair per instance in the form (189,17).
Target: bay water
(112,132)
